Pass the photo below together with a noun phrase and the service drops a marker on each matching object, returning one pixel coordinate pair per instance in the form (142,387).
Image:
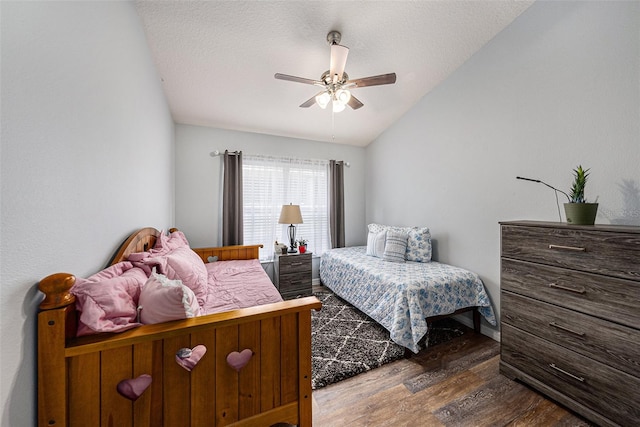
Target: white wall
(199,178)
(557,88)
(87,157)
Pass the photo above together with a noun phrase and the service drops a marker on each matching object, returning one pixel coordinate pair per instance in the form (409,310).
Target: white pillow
(375,243)
(162,299)
(395,246)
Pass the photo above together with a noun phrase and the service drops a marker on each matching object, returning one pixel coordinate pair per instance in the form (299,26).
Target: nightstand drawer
(602,252)
(607,342)
(295,279)
(593,384)
(606,297)
(296,292)
(295,264)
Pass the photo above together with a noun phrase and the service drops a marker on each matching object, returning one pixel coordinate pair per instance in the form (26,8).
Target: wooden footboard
(248,367)
(78,380)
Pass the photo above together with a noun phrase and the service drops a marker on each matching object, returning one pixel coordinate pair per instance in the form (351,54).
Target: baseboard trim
(485,328)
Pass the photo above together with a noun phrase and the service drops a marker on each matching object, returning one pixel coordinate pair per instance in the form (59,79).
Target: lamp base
(292,239)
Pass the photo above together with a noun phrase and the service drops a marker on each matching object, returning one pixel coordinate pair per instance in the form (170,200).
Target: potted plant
(302,245)
(578,211)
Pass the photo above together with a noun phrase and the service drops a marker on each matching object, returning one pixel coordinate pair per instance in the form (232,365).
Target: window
(270,182)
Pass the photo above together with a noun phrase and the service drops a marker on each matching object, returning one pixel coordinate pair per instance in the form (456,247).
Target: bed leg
(476,320)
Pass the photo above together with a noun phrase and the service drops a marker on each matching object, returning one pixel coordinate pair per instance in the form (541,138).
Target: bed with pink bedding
(175,336)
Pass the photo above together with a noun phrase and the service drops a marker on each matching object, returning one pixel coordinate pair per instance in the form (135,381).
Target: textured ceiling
(217,58)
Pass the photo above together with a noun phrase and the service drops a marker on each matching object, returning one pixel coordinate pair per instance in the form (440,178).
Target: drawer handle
(568,248)
(580,291)
(564,328)
(295,264)
(575,377)
(295,282)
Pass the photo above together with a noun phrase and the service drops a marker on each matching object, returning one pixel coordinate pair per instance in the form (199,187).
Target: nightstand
(293,274)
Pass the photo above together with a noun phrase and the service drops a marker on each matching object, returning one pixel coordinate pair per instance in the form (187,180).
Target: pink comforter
(237,284)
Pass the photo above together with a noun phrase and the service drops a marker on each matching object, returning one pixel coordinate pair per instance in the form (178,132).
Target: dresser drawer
(614,254)
(295,264)
(607,342)
(606,297)
(608,391)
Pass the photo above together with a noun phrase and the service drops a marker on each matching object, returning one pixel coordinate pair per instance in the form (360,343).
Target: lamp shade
(290,214)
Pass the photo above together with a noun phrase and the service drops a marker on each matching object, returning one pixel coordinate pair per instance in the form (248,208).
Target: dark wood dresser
(293,275)
(570,315)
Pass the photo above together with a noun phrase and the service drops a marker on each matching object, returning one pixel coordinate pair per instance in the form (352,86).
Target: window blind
(270,182)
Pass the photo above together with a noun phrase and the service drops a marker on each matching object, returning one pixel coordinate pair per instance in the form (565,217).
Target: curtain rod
(218,153)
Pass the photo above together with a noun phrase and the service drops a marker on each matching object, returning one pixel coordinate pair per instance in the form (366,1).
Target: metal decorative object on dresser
(570,315)
(293,274)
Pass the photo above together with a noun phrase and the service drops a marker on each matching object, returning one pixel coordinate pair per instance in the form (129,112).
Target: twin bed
(236,353)
(404,296)
(243,366)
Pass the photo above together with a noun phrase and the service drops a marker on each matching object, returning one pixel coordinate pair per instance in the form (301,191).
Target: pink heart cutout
(188,358)
(133,388)
(238,360)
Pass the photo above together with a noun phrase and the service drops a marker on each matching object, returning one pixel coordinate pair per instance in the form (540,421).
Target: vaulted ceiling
(217,59)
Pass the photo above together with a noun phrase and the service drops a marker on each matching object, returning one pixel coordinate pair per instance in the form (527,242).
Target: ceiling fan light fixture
(338,106)
(323,99)
(343,95)
(335,82)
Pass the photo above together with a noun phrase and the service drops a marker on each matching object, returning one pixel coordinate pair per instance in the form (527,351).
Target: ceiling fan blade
(297,79)
(354,102)
(309,102)
(382,79)
(338,60)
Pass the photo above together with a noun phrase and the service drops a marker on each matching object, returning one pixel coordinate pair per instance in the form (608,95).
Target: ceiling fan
(335,83)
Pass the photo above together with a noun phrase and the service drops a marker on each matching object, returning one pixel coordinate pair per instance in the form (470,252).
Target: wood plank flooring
(452,384)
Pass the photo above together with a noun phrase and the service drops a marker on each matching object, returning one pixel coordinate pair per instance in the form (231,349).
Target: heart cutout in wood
(212,258)
(238,360)
(188,358)
(133,388)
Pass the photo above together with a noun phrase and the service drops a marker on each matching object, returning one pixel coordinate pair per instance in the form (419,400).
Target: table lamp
(290,214)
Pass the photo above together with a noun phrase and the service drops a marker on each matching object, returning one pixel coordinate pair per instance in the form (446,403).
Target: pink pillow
(185,265)
(107,301)
(166,243)
(162,300)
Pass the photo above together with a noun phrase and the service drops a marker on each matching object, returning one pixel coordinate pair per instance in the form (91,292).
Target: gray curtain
(232,231)
(336,203)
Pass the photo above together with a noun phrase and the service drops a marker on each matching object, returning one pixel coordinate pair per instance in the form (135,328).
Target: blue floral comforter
(400,296)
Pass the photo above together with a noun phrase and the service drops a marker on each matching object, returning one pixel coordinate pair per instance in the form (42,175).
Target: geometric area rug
(346,342)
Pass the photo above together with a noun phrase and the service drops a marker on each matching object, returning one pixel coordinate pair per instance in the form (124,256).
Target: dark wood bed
(78,377)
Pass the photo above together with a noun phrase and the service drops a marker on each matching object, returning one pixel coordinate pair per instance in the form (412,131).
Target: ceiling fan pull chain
(333,133)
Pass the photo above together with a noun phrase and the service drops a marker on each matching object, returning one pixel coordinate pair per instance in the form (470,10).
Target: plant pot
(581,213)
(302,249)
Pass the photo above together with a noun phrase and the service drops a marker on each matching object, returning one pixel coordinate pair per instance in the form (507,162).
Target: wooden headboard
(56,287)
(140,241)
(145,238)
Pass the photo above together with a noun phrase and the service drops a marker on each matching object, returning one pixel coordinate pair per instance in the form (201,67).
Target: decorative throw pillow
(419,245)
(376,228)
(395,247)
(376,243)
(162,300)
(185,265)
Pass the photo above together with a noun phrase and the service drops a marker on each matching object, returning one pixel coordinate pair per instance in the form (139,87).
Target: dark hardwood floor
(456,383)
